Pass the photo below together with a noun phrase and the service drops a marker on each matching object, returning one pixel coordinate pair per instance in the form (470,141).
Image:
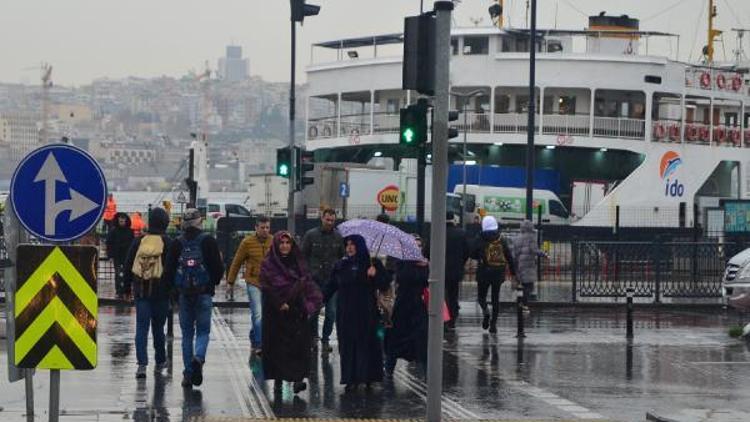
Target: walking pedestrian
(194,267)
(355,280)
(110,210)
(525,253)
(137,225)
(321,248)
(118,243)
(495,257)
(455,262)
(290,297)
(250,253)
(407,338)
(144,271)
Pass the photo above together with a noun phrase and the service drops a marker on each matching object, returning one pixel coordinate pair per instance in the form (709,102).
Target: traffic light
(284,162)
(419,54)
(452,131)
(413,124)
(300,10)
(303,164)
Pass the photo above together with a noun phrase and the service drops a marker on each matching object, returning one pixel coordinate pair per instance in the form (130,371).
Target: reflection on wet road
(574,364)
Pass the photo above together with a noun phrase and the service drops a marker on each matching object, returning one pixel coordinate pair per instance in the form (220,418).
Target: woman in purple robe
(290,297)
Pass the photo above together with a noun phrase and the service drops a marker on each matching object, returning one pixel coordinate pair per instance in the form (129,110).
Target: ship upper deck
(595,88)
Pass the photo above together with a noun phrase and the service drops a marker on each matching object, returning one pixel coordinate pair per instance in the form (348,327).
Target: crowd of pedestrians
(376,304)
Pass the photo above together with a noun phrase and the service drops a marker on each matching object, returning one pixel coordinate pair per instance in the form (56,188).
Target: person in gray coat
(525,253)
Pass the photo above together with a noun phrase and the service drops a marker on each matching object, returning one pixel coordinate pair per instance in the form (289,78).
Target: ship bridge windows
(475,45)
(567,111)
(619,114)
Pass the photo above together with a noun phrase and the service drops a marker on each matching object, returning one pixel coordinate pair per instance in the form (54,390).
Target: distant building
(19,131)
(233,67)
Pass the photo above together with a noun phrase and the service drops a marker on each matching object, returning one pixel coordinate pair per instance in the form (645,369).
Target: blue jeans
(150,313)
(328,320)
(256,315)
(195,323)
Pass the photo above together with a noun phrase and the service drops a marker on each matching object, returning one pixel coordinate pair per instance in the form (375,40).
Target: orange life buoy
(659,131)
(705,80)
(736,137)
(721,81)
(720,134)
(691,133)
(674,133)
(747,137)
(736,83)
(704,134)
(312,133)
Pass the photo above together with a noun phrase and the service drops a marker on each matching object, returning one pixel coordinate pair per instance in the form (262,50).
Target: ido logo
(668,166)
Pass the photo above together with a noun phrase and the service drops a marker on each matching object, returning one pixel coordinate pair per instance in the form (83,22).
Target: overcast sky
(87,39)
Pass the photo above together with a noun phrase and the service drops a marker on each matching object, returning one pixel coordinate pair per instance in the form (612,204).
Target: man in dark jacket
(322,247)
(150,290)
(118,243)
(455,260)
(195,303)
(495,257)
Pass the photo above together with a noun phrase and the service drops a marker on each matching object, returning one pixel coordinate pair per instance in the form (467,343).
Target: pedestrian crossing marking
(56,307)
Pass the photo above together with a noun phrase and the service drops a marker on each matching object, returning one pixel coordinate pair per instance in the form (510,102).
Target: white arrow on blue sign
(344,190)
(58,193)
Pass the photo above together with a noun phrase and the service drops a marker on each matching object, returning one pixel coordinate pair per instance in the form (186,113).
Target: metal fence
(653,269)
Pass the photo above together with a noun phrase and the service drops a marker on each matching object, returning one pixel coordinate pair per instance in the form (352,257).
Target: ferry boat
(618,127)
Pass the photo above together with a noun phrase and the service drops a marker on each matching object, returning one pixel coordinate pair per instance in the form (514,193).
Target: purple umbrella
(383,239)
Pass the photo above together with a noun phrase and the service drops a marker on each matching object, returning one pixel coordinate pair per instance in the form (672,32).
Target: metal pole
(29,381)
(463,197)
(532,116)
(421,165)
(630,292)
(54,395)
(439,181)
(292,181)
(519,312)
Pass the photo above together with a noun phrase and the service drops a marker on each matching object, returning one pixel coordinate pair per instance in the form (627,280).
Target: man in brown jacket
(251,252)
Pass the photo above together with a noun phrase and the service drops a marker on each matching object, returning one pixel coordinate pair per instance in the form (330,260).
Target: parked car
(222,209)
(737,281)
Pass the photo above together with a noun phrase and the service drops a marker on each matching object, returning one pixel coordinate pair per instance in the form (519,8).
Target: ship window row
(565,112)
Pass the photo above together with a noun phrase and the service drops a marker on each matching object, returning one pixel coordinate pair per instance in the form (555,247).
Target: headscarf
(362,257)
(287,277)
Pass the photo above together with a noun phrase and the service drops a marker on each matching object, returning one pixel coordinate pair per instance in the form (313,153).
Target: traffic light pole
(532,117)
(439,181)
(421,164)
(292,182)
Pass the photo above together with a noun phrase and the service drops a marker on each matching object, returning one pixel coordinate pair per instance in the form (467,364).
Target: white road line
(243,397)
(548,397)
(255,394)
(450,405)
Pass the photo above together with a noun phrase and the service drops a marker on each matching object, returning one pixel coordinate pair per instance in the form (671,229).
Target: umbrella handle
(380,244)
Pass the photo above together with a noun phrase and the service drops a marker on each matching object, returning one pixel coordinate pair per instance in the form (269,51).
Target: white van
(508,205)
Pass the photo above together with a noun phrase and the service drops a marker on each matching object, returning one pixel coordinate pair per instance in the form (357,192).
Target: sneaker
(197,375)
(187,382)
(525,309)
(141,371)
(300,386)
(493,328)
(486,321)
(159,367)
(258,352)
(326,347)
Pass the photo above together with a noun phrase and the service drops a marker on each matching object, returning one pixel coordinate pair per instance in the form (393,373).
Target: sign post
(58,193)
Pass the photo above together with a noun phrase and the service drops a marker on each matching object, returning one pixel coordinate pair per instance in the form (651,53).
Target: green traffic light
(408,135)
(283,170)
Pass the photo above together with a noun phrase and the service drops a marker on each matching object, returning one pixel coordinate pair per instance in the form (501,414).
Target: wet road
(574,364)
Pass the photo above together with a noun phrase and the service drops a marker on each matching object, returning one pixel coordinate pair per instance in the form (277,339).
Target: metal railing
(322,128)
(513,123)
(386,122)
(566,124)
(614,127)
(653,269)
(475,122)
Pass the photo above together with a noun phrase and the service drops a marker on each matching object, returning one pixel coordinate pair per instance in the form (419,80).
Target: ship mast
(712,33)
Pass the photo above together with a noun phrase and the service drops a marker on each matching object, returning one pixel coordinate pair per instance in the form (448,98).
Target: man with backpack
(144,270)
(494,258)
(194,267)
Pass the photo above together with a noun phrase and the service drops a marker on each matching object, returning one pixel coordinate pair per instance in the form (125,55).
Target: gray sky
(87,39)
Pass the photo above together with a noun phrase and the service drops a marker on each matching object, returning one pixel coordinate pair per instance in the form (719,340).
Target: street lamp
(465,96)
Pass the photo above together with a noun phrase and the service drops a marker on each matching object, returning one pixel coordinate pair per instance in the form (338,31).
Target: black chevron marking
(56,287)
(30,257)
(55,335)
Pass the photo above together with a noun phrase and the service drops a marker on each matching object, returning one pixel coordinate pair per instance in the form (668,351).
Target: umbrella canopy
(383,239)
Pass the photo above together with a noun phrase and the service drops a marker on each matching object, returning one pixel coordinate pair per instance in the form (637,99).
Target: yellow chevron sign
(56,307)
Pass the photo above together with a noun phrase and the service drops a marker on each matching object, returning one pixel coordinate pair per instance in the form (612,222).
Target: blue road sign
(58,192)
(344,190)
